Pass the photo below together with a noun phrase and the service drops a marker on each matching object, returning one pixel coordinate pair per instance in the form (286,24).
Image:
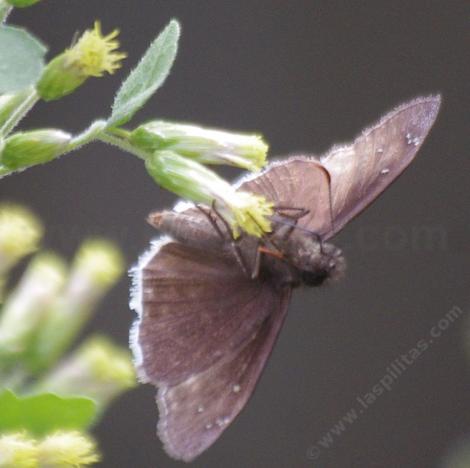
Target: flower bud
(92,55)
(26,149)
(66,449)
(59,79)
(28,304)
(99,369)
(193,181)
(206,146)
(20,233)
(17,450)
(97,266)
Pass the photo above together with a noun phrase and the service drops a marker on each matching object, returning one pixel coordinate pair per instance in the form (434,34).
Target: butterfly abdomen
(188,228)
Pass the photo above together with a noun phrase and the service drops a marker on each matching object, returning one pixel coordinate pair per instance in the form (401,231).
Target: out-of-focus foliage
(48,399)
(43,413)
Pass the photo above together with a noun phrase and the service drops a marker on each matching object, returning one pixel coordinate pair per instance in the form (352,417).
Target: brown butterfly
(210,308)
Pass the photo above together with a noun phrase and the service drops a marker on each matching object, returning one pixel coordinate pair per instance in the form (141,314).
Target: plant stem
(91,133)
(119,132)
(121,143)
(30,100)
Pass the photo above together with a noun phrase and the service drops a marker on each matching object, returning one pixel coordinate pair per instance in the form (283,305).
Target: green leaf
(43,413)
(147,77)
(21,59)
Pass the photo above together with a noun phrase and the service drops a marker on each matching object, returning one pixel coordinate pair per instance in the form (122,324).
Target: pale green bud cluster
(51,303)
(94,54)
(39,319)
(97,266)
(174,155)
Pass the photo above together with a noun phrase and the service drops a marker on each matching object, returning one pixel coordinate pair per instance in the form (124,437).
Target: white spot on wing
(222,421)
(412,140)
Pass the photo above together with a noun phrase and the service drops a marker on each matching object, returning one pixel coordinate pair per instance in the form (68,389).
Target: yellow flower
(68,449)
(250,212)
(94,53)
(17,450)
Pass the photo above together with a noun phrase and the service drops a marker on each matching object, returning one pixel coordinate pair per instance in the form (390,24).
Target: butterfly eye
(310,278)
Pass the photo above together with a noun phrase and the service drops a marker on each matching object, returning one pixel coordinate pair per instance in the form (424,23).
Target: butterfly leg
(260,251)
(267,247)
(211,220)
(300,213)
(233,242)
(236,249)
(294,216)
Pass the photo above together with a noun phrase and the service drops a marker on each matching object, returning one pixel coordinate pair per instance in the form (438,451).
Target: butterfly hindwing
(203,337)
(195,412)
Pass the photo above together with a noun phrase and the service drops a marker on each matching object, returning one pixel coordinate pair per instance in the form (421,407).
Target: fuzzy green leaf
(147,77)
(43,413)
(21,59)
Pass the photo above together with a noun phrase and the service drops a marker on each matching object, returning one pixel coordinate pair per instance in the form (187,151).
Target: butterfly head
(318,262)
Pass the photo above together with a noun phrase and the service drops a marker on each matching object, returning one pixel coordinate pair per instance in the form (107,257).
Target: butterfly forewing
(362,170)
(350,177)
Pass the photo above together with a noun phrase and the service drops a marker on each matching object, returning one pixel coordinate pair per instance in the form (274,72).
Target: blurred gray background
(306,74)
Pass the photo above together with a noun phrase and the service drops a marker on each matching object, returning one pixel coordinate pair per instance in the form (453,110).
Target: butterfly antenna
(330,201)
